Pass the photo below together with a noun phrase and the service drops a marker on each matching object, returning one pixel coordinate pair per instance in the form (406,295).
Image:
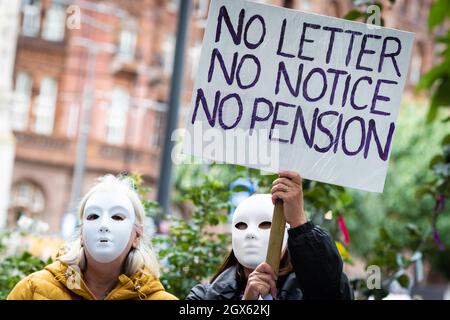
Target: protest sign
(279,89)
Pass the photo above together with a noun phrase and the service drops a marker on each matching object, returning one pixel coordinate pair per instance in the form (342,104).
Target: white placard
(279,89)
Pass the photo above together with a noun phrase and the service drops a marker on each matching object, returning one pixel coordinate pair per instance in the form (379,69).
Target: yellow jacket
(59,282)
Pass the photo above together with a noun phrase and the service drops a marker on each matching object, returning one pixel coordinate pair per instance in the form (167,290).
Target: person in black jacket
(310,268)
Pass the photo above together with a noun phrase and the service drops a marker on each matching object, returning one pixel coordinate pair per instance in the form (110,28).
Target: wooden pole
(276,237)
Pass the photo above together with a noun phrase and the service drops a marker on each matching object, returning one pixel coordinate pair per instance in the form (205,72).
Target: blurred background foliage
(14,267)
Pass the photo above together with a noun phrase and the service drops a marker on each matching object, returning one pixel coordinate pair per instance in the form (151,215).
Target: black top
(317,271)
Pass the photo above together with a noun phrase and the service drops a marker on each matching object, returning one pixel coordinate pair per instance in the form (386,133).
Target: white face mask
(108,220)
(251,229)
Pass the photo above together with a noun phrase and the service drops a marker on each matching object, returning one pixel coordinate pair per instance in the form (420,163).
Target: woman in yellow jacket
(110,260)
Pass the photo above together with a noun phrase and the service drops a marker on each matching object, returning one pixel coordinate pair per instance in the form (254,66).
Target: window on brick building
(31,17)
(117,116)
(22,99)
(168,52)
(201,8)
(194,53)
(44,110)
(73,118)
(415,70)
(173,5)
(127,43)
(157,138)
(27,198)
(55,22)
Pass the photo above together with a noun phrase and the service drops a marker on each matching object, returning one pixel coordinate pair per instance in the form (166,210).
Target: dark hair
(231,260)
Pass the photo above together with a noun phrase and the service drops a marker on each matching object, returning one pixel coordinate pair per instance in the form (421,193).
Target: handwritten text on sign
(325,91)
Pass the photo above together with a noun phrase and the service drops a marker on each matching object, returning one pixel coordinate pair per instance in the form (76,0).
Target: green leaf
(239,189)
(436,159)
(435,73)
(380,5)
(413,229)
(446,152)
(345,198)
(432,112)
(384,235)
(441,97)
(354,15)
(379,294)
(438,11)
(424,190)
(445,39)
(403,280)
(446,139)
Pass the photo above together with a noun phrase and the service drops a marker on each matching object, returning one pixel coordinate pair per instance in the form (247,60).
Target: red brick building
(132,44)
(127,87)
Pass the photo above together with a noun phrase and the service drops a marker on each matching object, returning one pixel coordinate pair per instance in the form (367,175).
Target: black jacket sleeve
(224,287)
(317,264)
(198,292)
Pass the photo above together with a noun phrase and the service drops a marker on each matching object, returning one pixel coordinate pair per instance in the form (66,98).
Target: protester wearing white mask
(310,267)
(108,222)
(110,259)
(251,229)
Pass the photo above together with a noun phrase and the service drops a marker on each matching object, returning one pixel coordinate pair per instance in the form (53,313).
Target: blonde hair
(141,258)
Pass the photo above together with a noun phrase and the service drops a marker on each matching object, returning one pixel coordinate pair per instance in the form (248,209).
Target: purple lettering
(283,71)
(326,131)
(363,136)
(263,34)
(337,74)
(229,76)
(331,42)
(353,94)
(236,35)
(281,41)
(377,96)
(257,74)
(276,121)
(221,106)
(391,55)
(255,116)
(201,98)
(350,45)
(324,85)
(338,134)
(309,138)
(372,131)
(303,40)
(346,88)
(363,51)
